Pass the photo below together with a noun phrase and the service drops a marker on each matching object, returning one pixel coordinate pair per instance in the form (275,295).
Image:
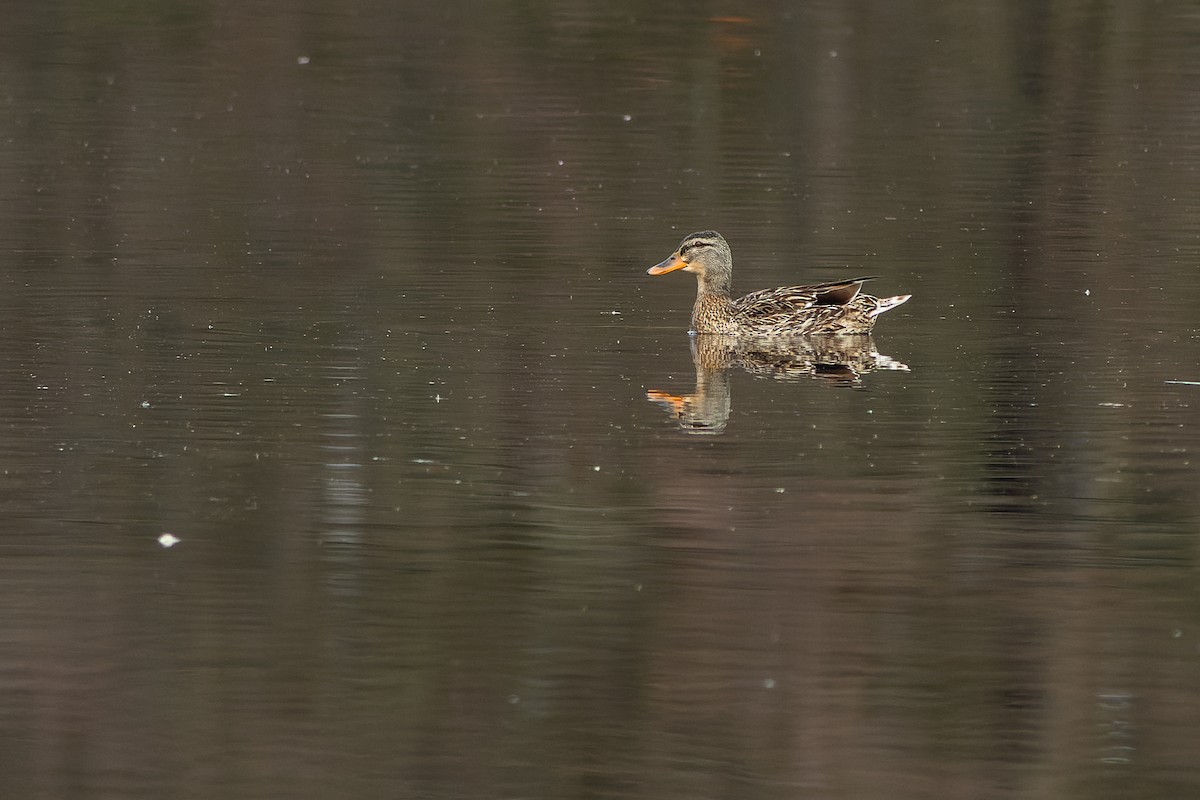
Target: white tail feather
(888,303)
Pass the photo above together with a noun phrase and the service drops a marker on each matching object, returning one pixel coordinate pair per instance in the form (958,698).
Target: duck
(835,307)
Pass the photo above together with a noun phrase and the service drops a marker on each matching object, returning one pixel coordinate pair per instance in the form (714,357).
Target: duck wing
(769,302)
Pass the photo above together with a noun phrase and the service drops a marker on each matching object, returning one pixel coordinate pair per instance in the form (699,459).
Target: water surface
(351,301)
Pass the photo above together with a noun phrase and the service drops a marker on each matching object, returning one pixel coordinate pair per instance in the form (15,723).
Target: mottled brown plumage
(835,307)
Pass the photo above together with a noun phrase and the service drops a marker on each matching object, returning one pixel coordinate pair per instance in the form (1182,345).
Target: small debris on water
(1111,405)
(302,60)
(168,540)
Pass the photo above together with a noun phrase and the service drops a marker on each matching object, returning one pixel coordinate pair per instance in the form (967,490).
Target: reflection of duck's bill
(672,263)
(684,412)
(672,401)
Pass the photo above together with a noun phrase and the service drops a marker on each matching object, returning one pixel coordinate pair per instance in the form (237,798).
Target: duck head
(706,254)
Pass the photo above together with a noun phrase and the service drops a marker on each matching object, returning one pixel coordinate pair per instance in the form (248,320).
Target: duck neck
(713,305)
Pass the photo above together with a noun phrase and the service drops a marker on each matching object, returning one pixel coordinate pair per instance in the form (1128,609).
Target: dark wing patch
(836,293)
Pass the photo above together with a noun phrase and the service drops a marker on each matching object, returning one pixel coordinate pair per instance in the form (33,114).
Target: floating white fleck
(302,60)
(168,540)
(769,683)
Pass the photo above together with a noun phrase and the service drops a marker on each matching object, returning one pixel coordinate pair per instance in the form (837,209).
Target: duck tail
(888,303)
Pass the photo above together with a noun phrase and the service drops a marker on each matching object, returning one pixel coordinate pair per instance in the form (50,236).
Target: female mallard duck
(834,307)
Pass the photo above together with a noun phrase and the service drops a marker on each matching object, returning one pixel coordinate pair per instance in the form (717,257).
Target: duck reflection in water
(838,360)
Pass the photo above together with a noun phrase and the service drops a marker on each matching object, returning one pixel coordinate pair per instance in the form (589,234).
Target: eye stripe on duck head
(695,241)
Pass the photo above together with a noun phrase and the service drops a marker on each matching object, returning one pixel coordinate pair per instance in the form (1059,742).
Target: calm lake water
(347,450)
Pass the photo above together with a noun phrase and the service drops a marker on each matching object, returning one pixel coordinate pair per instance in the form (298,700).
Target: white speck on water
(168,540)
(302,60)
(627,117)
(779,490)
(1087,292)
(145,404)
(596,468)
(1111,405)
(769,683)
(514,699)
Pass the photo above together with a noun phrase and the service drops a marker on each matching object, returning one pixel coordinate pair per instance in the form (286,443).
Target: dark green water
(351,300)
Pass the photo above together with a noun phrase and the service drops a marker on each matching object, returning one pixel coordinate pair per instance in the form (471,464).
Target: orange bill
(670,265)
